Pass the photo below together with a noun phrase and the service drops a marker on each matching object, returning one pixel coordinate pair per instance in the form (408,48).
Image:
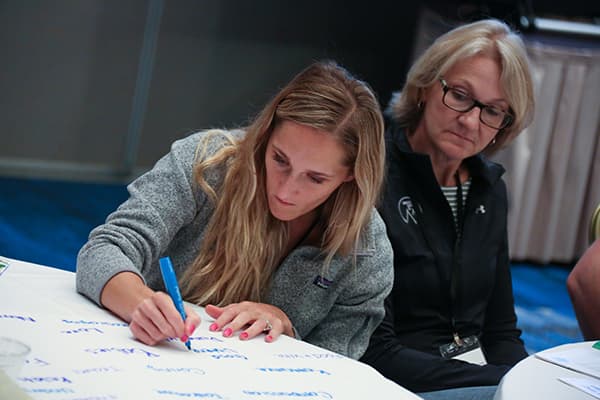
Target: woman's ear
(348,178)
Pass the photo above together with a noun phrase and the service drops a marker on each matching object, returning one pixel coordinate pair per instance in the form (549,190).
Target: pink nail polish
(184,338)
(244,335)
(227,332)
(269,339)
(213,327)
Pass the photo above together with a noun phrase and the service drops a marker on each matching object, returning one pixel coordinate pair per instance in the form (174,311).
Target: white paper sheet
(588,385)
(581,359)
(83,352)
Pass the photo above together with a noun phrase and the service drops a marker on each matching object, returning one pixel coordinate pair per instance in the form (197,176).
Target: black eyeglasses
(459,100)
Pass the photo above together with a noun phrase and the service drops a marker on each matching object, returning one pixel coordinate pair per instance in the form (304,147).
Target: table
(81,351)
(534,378)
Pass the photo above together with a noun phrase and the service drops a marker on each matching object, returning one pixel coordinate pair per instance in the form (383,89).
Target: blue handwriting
(81,321)
(198,338)
(191,394)
(45,379)
(37,362)
(214,350)
(50,390)
(82,330)
(323,395)
(178,369)
(124,350)
(223,356)
(295,370)
(19,317)
(96,370)
(220,353)
(317,356)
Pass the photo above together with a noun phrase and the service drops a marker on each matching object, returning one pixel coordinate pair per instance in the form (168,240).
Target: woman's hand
(253,318)
(152,316)
(156,318)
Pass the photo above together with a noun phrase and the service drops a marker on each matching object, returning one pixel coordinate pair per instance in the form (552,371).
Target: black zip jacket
(420,308)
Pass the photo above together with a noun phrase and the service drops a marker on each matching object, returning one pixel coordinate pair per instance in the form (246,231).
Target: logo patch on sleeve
(322,282)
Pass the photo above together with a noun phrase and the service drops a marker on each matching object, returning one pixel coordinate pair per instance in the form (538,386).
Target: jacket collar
(479,166)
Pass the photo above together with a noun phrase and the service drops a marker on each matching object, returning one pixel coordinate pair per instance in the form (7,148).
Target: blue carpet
(46,222)
(544,310)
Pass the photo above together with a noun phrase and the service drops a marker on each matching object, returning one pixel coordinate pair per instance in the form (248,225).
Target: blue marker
(170,280)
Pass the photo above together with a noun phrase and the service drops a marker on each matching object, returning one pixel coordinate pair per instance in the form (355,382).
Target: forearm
(583,285)
(122,294)
(421,372)
(586,303)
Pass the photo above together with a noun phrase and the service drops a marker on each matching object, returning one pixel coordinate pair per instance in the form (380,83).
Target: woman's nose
(471,117)
(288,186)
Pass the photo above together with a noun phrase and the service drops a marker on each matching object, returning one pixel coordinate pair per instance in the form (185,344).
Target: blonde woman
(450,320)
(271,227)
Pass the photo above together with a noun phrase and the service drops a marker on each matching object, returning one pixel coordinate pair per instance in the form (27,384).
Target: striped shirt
(450,193)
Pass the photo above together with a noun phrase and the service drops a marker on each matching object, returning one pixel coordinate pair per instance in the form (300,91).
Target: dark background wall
(98,89)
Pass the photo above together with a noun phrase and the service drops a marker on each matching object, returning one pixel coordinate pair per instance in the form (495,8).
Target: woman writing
(450,319)
(272,227)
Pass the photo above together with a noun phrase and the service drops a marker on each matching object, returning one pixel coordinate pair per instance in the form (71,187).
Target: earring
(493,142)
(420,105)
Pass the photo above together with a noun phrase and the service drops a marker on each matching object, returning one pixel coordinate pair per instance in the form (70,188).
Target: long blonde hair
(243,242)
(490,37)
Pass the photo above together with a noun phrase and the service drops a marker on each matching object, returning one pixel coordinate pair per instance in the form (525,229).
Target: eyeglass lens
(462,102)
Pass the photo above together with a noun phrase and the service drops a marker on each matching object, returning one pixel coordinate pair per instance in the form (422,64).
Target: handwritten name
(198,338)
(50,390)
(190,394)
(323,395)
(220,353)
(123,350)
(19,317)
(37,361)
(45,379)
(228,356)
(82,330)
(317,356)
(295,370)
(196,371)
(106,323)
(96,370)
(214,350)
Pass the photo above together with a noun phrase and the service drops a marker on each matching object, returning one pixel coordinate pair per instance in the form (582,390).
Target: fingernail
(213,327)
(191,330)
(269,339)
(184,338)
(227,332)
(244,335)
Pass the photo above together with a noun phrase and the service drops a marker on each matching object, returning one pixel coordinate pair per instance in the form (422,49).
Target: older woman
(450,318)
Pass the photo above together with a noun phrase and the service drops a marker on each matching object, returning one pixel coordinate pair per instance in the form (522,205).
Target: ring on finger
(268,326)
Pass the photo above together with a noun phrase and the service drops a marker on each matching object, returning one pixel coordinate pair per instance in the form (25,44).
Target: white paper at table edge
(579,384)
(547,356)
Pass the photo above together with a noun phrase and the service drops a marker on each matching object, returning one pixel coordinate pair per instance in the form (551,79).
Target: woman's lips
(285,203)
(465,138)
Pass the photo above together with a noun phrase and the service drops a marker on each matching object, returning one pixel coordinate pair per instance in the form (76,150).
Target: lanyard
(456,259)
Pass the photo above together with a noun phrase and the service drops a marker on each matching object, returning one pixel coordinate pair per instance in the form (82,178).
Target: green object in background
(596,345)
(3,265)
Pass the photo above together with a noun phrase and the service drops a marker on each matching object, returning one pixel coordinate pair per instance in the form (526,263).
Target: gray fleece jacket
(166,214)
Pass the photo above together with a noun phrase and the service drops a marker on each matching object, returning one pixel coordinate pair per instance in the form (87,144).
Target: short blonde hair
(488,37)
